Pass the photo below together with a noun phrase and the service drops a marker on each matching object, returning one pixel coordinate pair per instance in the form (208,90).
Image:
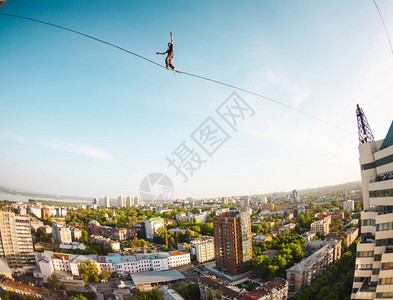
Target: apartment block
(302,274)
(16,244)
(232,242)
(322,225)
(152,225)
(203,248)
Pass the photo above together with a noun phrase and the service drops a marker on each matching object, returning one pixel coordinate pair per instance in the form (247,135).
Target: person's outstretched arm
(161,53)
(171,38)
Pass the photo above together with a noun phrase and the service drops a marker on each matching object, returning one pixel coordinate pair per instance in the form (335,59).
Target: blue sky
(81,118)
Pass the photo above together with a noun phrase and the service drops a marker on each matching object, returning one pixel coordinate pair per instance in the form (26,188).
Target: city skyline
(79,118)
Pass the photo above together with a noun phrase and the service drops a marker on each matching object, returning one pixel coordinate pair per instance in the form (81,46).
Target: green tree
(89,271)
(79,297)
(53,282)
(256,228)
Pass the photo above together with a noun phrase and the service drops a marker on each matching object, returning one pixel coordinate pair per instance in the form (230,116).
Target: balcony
(384,177)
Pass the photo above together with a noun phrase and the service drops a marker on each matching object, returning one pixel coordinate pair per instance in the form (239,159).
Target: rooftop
(156,276)
(310,261)
(216,285)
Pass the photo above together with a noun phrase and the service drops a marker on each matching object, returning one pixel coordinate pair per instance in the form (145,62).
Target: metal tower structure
(364,130)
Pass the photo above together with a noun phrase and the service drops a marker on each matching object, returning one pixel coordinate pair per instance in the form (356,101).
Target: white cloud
(79,149)
(13,137)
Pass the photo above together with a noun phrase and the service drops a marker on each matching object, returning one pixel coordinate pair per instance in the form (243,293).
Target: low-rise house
(256,239)
(106,242)
(276,289)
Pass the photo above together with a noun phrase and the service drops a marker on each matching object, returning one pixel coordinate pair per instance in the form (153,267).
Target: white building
(374,259)
(349,205)
(107,202)
(152,225)
(137,201)
(321,225)
(118,263)
(61,234)
(203,248)
(121,201)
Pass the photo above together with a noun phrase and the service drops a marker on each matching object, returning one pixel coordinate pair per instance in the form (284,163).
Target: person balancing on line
(168,59)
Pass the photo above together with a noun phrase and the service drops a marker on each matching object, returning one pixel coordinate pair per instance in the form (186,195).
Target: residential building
(295,196)
(276,289)
(245,202)
(121,201)
(311,247)
(76,232)
(61,233)
(209,286)
(309,236)
(107,202)
(269,206)
(302,274)
(137,201)
(322,225)
(232,242)
(203,248)
(256,239)
(106,242)
(118,263)
(374,259)
(349,205)
(349,235)
(224,200)
(152,225)
(114,233)
(178,258)
(16,244)
(94,227)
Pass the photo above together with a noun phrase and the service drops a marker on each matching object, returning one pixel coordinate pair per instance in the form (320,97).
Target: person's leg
(170,62)
(167,61)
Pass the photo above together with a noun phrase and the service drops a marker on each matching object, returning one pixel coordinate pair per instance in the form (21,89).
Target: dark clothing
(170,50)
(168,61)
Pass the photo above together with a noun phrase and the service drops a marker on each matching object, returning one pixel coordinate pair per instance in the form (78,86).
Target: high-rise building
(107,202)
(137,201)
(373,277)
(129,201)
(232,242)
(295,196)
(16,243)
(121,201)
(95,201)
(152,225)
(224,200)
(245,202)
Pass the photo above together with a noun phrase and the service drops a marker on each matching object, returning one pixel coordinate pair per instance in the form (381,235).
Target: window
(387,266)
(384,226)
(368,222)
(365,254)
(381,193)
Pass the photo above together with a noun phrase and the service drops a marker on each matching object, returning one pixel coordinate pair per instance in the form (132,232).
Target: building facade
(349,205)
(152,225)
(61,234)
(374,257)
(322,225)
(203,248)
(232,242)
(16,244)
(302,274)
